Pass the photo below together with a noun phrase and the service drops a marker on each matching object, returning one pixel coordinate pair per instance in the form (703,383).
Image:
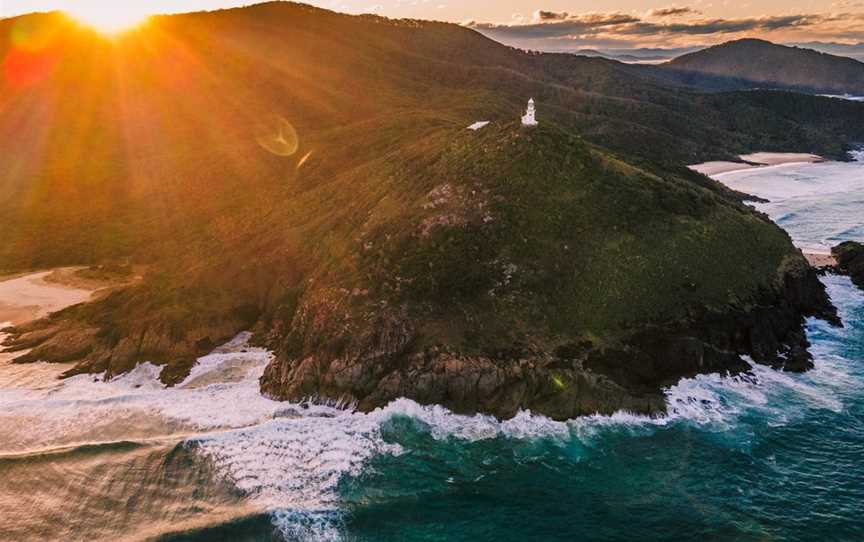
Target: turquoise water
(775,458)
(763,457)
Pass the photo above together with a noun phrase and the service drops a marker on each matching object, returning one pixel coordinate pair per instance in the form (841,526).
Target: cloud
(669,26)
(550,15)
(720,26)
(673,11)
(548,24)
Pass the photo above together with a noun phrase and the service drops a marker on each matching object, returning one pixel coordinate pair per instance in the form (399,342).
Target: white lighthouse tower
(530,118)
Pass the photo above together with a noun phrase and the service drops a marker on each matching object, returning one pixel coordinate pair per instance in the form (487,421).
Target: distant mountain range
(641,55)
(657,54)
(747,64)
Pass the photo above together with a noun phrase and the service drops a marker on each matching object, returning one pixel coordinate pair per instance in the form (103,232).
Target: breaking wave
(293,461)
(213,459)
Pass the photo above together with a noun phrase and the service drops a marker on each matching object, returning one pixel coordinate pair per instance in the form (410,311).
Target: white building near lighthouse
(530,118)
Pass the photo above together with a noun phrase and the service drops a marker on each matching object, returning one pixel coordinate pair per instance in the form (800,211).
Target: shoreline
(29,296)
(819,260)
(32,296)
(753,161)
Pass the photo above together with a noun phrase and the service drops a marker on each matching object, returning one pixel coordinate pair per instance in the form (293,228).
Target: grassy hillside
(544,219)
(114,144)
(492,250)
(757,63)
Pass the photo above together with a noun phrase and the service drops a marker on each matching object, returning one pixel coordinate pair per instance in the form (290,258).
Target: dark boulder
(850,261)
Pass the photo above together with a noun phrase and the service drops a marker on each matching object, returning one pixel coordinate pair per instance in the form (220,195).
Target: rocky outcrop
(375,359)
(378,357)
(338,345)
(850,261)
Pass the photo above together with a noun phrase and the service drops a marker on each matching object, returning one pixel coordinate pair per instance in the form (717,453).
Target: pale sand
(777,158)
(758,160)
(76,277)
(28,297)
(716,168)
(820,260)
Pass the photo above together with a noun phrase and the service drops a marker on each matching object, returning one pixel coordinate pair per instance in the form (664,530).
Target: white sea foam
(293,465)
(850,97)
(719,402)
(290,460)
(222,392)
(778,397)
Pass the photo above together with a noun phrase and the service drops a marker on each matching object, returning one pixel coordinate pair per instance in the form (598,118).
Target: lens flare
(278,136)
(33,55)
(23,69)
(303,160)
(109,18)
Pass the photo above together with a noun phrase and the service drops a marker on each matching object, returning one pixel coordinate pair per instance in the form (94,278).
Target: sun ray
(108,18)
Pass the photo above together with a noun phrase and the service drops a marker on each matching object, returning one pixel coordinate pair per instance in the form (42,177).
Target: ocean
(767,456)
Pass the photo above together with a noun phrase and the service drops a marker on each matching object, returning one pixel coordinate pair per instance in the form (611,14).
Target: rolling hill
(752,63)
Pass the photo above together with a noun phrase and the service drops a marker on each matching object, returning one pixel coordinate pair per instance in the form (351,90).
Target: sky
(574,24)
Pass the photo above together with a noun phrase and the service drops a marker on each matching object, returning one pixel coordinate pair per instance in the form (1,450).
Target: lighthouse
(530,115)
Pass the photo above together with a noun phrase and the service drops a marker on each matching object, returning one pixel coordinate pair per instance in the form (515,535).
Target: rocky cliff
(381,357)
(850,261)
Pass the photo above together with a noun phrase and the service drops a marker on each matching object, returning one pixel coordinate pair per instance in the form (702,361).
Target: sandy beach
(27,297)
(820,259)
(754,161)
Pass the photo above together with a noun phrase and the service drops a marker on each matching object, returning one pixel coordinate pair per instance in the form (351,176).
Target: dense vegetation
(751,63)
(309,174)
(545,219)
(121,142)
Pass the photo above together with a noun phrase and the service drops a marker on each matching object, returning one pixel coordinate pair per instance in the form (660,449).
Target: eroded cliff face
(380,355)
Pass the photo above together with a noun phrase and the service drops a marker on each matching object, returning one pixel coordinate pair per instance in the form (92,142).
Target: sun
(108,18)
